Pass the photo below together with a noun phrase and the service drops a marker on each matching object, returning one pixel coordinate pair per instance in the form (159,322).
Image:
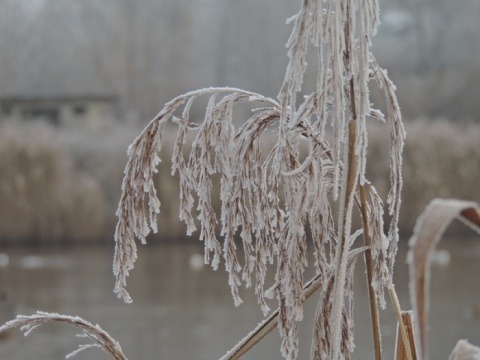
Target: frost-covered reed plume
(272,198)
(101,339)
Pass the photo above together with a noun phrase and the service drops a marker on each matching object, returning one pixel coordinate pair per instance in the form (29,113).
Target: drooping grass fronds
(429,229)
(101,338)
(272,197)
(213,151)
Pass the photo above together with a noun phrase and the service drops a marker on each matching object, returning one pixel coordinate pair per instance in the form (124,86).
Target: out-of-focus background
(80,79)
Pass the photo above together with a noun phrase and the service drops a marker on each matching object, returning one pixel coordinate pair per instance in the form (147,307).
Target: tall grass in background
(60,186)
(441,159)
(85,170)
(44,199)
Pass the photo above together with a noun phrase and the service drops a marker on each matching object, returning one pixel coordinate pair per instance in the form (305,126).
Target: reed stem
(400,348)
(345,218)
(377,342)
(267,325)
(401,324)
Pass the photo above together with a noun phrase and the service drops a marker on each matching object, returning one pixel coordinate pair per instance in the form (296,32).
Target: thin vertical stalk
(401,325)
(346,206)
(377,344)
(363,204)
(401,347)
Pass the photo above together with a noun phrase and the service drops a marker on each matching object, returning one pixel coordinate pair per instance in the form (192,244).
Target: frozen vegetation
(291,179)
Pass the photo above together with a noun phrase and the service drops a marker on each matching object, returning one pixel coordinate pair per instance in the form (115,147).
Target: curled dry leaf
(429,229)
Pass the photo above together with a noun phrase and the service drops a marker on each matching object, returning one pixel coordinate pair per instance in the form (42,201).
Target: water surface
(183,310)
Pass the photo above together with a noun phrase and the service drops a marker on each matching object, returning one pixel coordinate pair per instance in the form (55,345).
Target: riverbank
(60,187)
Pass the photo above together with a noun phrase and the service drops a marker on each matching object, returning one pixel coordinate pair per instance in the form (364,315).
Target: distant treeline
(147,52)
(59,187)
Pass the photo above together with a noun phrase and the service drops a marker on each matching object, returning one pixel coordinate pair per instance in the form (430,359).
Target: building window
(6,109)
(48,114)
(79,110)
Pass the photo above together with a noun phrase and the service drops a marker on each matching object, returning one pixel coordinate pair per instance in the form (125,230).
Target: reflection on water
(183,310)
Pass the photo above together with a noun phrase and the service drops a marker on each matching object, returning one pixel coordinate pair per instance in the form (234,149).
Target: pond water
(183,310)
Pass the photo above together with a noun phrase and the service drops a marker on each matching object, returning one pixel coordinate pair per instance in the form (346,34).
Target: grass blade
(429,229)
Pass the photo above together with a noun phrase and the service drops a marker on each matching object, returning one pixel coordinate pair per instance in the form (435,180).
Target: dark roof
(61,98)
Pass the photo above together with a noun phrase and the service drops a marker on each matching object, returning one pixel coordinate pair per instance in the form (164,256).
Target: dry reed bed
(44,198)
(60,186)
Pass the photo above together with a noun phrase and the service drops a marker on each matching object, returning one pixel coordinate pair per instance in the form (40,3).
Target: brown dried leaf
(429,228)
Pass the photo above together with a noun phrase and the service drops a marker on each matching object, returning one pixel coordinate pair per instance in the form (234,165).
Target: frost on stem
(100,337)
(271,197)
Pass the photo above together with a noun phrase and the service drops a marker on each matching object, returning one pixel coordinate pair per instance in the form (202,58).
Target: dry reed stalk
(100,337)
(345,217)
(428,231)
(405,351)
(269,198)
(267,325)
(369,265)
(408,348)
